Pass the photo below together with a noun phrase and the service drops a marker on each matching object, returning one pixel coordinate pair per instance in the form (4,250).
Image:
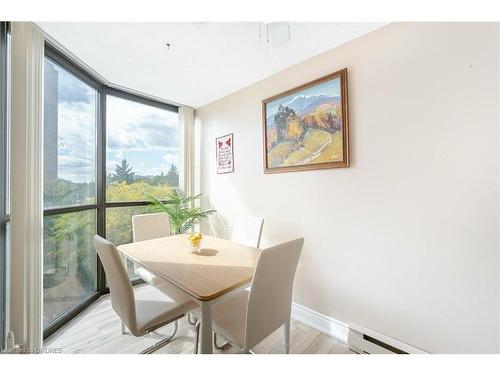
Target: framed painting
(307,127)
(224,154)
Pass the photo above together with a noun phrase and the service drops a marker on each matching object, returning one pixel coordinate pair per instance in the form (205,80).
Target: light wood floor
(97,330)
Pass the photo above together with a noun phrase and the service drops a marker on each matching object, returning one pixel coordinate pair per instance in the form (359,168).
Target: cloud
(147,133)
(171,158)
(69,89)
(73,162)
(76,142)
(76,169)
(71,93)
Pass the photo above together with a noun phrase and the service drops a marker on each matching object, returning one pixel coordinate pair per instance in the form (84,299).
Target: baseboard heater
(367,341)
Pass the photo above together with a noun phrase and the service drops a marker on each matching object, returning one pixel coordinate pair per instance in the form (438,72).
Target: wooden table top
(222,267)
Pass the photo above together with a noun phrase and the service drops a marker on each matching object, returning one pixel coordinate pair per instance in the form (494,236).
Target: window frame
(103,89)
(4,217)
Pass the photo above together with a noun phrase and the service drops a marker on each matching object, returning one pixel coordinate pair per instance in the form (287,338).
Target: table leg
(206,328)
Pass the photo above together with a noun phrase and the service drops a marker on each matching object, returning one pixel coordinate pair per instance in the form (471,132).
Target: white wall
(405,240)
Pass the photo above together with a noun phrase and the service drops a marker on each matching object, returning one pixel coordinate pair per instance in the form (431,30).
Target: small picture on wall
(224,154)
(307,127)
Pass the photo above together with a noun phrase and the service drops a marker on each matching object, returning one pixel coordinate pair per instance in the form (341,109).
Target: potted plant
(178,207)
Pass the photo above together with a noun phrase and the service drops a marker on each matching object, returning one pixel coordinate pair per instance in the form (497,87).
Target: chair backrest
(150,226)
(270,298)
(247,230)
(122,295)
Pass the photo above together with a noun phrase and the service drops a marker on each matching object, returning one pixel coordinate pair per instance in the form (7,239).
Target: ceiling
(206,60)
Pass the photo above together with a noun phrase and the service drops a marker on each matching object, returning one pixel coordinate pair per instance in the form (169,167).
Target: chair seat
(229,316)
(170,290)
(154,308)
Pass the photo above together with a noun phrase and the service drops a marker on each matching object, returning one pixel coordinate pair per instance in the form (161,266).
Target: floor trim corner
(325,324)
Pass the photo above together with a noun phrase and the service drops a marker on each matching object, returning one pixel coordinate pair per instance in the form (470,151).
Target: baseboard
(329,326)
(366,340)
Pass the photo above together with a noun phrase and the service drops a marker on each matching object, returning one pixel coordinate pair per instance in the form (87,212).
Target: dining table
(217,269)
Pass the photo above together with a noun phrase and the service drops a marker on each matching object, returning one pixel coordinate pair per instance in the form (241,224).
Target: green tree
(68,248)
(61,192)
(123,172)
(172,177)
(137,191)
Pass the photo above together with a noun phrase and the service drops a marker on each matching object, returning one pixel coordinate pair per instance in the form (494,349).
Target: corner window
(105,152)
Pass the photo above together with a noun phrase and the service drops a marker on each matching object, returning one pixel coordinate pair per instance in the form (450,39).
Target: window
(142,151)
(142,160)
(105,152)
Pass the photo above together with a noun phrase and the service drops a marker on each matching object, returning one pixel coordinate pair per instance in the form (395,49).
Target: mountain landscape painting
(306,127)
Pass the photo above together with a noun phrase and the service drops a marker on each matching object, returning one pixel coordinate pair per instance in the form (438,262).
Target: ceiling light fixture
(274,33)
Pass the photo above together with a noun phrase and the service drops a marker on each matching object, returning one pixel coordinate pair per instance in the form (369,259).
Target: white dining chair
(141,315)
(246,318)
(247,230)
(148,227)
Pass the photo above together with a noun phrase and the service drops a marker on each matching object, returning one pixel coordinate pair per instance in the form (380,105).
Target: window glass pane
(69,139)
(69,261)
(119,226)
(142,151)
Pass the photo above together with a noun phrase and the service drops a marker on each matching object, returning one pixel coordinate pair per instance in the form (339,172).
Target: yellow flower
(195,238)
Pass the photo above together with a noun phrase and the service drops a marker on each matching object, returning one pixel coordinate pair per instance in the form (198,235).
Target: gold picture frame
(307,127)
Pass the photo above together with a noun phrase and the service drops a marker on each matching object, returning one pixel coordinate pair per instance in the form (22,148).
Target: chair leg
(162,342)
(123,328)
(220,347)
(196,336)
(192,321)
(286,329)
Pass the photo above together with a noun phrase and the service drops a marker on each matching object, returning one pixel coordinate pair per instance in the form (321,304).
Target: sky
(146,136)
(330,88)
